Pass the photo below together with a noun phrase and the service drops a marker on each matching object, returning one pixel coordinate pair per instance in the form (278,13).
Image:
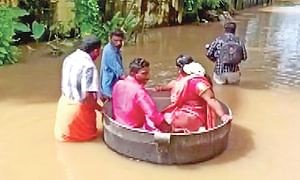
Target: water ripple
(278,35)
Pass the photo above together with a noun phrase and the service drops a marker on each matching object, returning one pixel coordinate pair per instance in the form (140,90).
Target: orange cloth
(75,121)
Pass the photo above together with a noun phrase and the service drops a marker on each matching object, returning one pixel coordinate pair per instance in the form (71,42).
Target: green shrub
(191,6)
(9,25)
(89,20)
(87,17)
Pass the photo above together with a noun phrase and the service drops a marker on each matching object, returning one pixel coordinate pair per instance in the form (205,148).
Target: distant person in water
(76,116)
(193,103)
(111,69)
(132,104)
(227,52)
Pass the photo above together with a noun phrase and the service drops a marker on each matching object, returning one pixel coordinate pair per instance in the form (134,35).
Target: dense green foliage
(194,5)
(87,16)
(9,25)
(89,20)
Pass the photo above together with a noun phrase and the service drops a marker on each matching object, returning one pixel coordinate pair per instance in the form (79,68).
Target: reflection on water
(275,39)
(263,142)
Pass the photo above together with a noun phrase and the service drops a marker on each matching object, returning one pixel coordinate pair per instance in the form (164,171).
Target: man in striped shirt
(225,73)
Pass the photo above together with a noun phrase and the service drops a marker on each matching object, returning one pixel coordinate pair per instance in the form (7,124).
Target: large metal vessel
(165,148)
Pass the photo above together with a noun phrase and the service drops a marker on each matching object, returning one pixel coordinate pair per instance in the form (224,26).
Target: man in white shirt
(76,116)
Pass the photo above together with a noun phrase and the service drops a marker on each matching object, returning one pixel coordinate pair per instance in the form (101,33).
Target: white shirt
(79,75)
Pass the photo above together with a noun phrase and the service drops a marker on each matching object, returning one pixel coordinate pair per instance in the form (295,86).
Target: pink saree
(188,111)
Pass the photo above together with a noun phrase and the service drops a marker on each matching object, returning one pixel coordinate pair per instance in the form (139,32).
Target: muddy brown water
(264,138)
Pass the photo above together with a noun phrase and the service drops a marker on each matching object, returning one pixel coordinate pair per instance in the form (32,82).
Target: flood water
(264,139)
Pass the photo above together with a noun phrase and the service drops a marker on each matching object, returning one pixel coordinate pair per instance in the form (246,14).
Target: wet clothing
(75,121)
(227,77)
(111,69)
(213,54)
(75,118)
(187,109)
(132,105)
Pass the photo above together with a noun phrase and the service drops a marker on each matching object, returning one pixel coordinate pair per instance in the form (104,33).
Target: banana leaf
(38,30)
(21,27)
